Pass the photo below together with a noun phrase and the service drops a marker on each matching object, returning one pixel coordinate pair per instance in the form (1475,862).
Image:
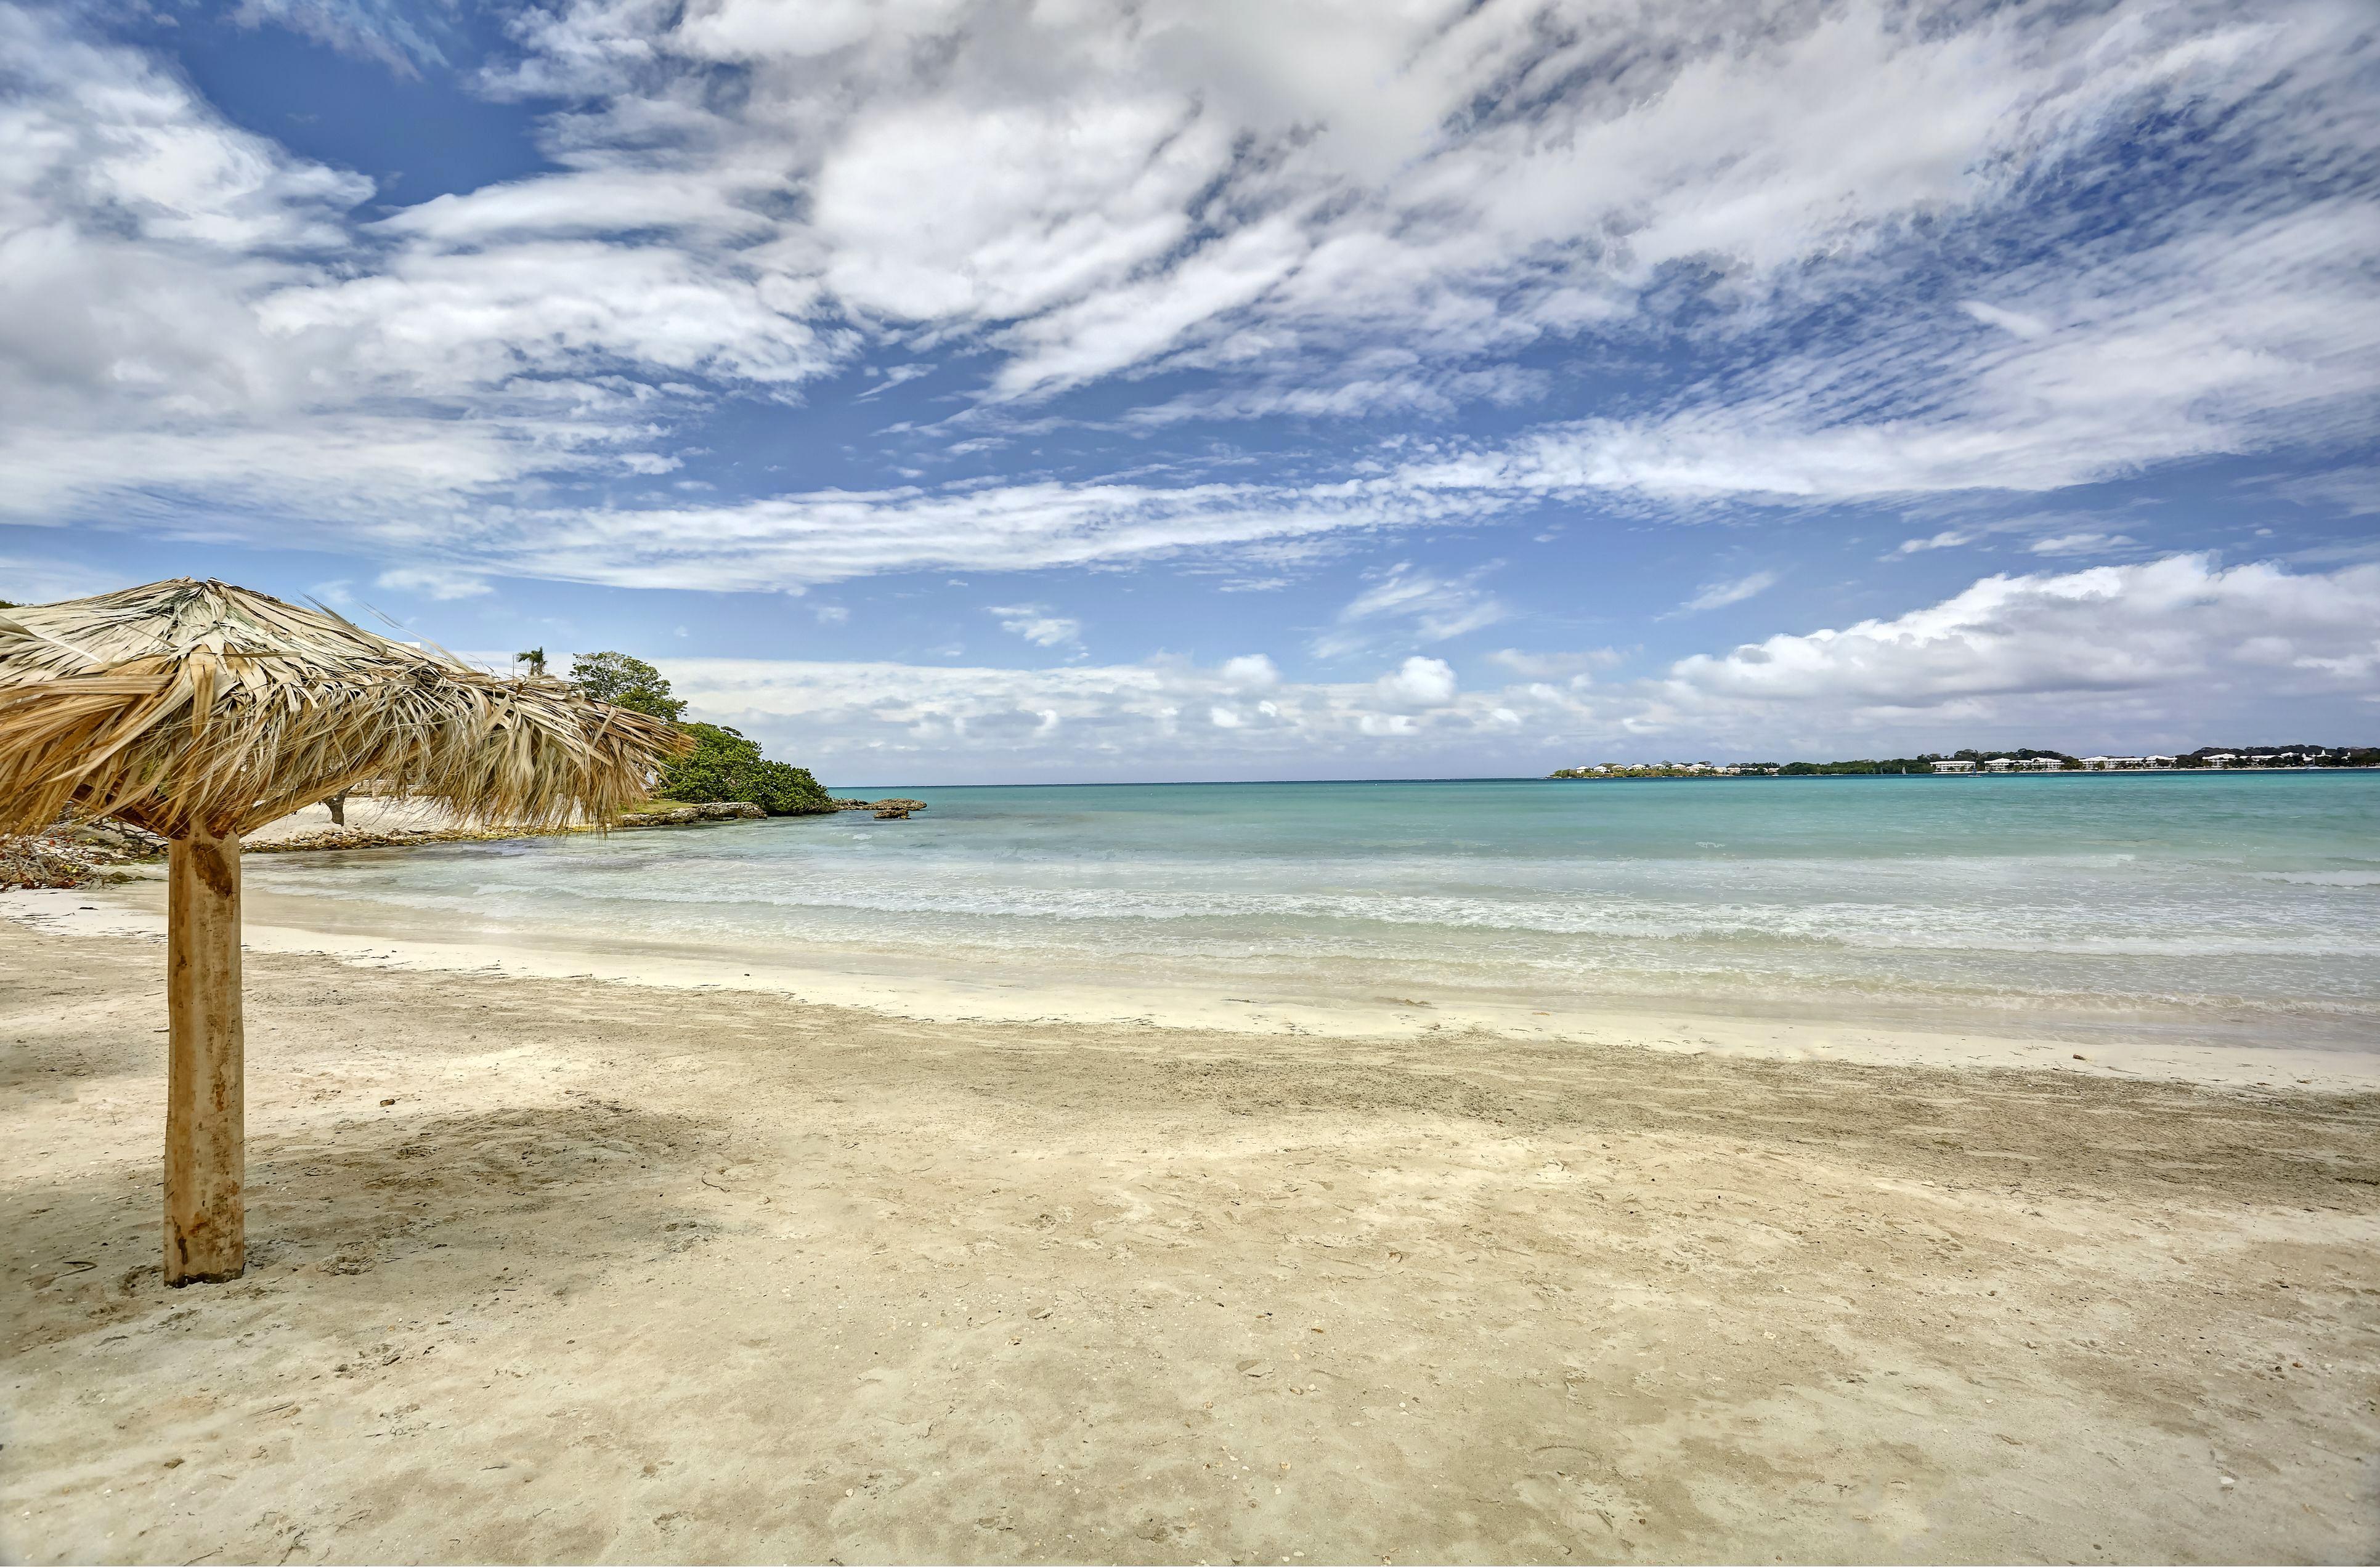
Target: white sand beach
(554,1267)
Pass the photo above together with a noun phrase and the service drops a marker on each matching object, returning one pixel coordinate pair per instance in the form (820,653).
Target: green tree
(628,683)
(726,766)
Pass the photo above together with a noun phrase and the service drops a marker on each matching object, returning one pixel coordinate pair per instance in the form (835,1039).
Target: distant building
(1954,767)
(1998,764)
(2223,759)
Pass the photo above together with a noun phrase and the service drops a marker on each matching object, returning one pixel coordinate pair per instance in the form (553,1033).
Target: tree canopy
(625,682)
(724,765)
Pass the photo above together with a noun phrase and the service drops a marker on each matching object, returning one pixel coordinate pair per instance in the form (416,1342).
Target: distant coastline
(2207,759)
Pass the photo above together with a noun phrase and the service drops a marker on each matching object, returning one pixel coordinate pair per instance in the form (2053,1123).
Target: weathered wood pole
(206,1122)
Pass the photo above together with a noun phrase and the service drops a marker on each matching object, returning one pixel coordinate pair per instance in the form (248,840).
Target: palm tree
(201,710)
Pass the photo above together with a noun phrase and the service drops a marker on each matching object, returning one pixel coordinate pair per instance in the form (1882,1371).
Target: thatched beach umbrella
(201,711)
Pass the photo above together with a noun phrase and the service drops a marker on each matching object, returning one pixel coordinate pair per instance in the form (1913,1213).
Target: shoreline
(2117,1046)
(548,1270)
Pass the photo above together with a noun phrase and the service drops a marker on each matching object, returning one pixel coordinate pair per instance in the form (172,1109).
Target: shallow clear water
(2248,897)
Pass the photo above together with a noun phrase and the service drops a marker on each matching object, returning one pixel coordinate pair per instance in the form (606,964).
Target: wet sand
(633,1272)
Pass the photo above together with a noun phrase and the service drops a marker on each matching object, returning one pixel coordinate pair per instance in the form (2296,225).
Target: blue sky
(950,391)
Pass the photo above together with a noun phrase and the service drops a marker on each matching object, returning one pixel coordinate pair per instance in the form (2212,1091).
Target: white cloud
(1411,603)
(1949,539)
(1418,683)
(196,322)
(2024,326)
(1732,590)
(403,39)
(2175,651)
(2079,543)
(1038,626)
(1125,719)
(1330,210)
(2203,639)
(1249,672)
(436,582)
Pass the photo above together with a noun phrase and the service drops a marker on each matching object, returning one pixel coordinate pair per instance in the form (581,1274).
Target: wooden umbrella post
(205,1112)
(201,709)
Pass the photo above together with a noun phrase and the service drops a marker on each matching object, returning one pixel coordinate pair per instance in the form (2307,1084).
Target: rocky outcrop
(678,816)
(884,809)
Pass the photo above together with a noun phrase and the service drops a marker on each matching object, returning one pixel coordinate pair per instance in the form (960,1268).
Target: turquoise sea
(2224,900)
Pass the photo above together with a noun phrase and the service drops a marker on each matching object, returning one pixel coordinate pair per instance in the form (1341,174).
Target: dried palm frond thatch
(201,710)
(198,707)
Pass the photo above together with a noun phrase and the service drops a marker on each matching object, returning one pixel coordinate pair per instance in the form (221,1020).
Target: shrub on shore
(726,766)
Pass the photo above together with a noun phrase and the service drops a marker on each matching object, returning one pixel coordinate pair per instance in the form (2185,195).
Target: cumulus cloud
(1249,672)
(2180,651)
(1418,683)
(1162,718)
(2202,637)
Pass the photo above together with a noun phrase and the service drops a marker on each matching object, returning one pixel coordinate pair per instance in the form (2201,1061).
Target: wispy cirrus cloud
(1413,604)
(2084,543)
(205,325)
(1949,539)
(440,583)
(1729,590)
(405,39)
